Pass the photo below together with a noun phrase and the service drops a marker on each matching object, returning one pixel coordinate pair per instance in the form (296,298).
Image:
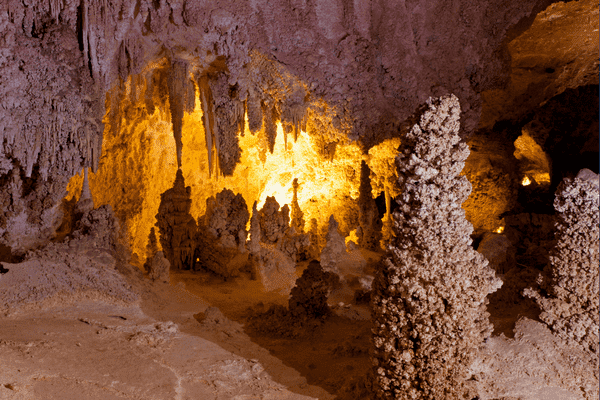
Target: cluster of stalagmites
(429,297)
(571,278)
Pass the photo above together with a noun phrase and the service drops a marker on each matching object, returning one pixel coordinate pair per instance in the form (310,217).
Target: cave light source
(526,181)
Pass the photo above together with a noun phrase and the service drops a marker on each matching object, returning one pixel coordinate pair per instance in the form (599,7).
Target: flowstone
(429,296)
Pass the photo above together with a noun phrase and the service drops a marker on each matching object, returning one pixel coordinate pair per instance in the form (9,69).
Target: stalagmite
(370,223)
(571,279)
(429,296)
(296,213)
(176,226)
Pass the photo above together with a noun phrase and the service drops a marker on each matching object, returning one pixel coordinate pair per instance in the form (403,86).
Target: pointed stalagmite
(429,297)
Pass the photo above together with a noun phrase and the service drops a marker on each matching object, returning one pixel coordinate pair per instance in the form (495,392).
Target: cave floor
(187,340)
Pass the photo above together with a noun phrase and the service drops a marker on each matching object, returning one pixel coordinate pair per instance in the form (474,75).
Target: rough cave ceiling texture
(365,65)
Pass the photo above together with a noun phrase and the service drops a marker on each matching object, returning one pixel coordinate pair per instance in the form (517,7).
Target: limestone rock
(276,271)
(335,248)
(176,226)
(571,279)
(159,269)
(429,296)
(499,252)
(309,296)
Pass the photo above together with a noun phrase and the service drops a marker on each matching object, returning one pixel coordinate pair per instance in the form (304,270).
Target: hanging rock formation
(571,279)
(429,296)
(177,228)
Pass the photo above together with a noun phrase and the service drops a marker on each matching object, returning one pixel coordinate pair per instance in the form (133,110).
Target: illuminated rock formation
(274,222)
(222,234)
(335,248)
(159,268)
(429,296)
(151,249)
(369,234)
(571,279)
(85,202)
(297,215)
(177,228)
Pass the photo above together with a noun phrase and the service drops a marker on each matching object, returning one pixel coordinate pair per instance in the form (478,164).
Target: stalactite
(227,114)
(149,93)
(208,120)
(255,112)
(270,118)
(176,83)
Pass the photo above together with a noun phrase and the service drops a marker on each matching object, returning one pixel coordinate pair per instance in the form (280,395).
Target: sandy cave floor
(186,340)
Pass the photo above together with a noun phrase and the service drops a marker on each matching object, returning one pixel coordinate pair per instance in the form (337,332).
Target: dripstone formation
(571,279)
(176,226)
(429,296)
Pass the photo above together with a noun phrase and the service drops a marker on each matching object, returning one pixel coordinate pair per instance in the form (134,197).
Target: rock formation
(370,223)
(308,299)
(159,268)
(335,248)
(222,234)
(429,296)
(297,214)
(177,228)
(571,279)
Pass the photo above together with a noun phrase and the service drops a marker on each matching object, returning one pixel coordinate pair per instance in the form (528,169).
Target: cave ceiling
(355,71)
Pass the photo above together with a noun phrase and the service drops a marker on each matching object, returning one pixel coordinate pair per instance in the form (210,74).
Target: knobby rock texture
(429,296)
(571,280)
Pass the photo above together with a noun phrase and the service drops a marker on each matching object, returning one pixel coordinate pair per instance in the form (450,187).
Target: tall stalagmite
(370,223)
(176,226)
(429,296)
(571,279)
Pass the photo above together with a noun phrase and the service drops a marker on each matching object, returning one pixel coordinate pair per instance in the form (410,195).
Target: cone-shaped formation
(572,276)
(429,296)
(177,89)
(176,226)
(309,296)
(85,203)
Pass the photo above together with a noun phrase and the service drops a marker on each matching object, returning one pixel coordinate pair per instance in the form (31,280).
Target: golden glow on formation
(139,163)
(500,229)
(532,159)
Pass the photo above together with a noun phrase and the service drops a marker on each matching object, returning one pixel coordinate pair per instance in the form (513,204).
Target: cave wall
(64,64)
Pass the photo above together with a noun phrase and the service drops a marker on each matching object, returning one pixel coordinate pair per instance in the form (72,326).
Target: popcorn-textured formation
(571,279)
(429,296)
